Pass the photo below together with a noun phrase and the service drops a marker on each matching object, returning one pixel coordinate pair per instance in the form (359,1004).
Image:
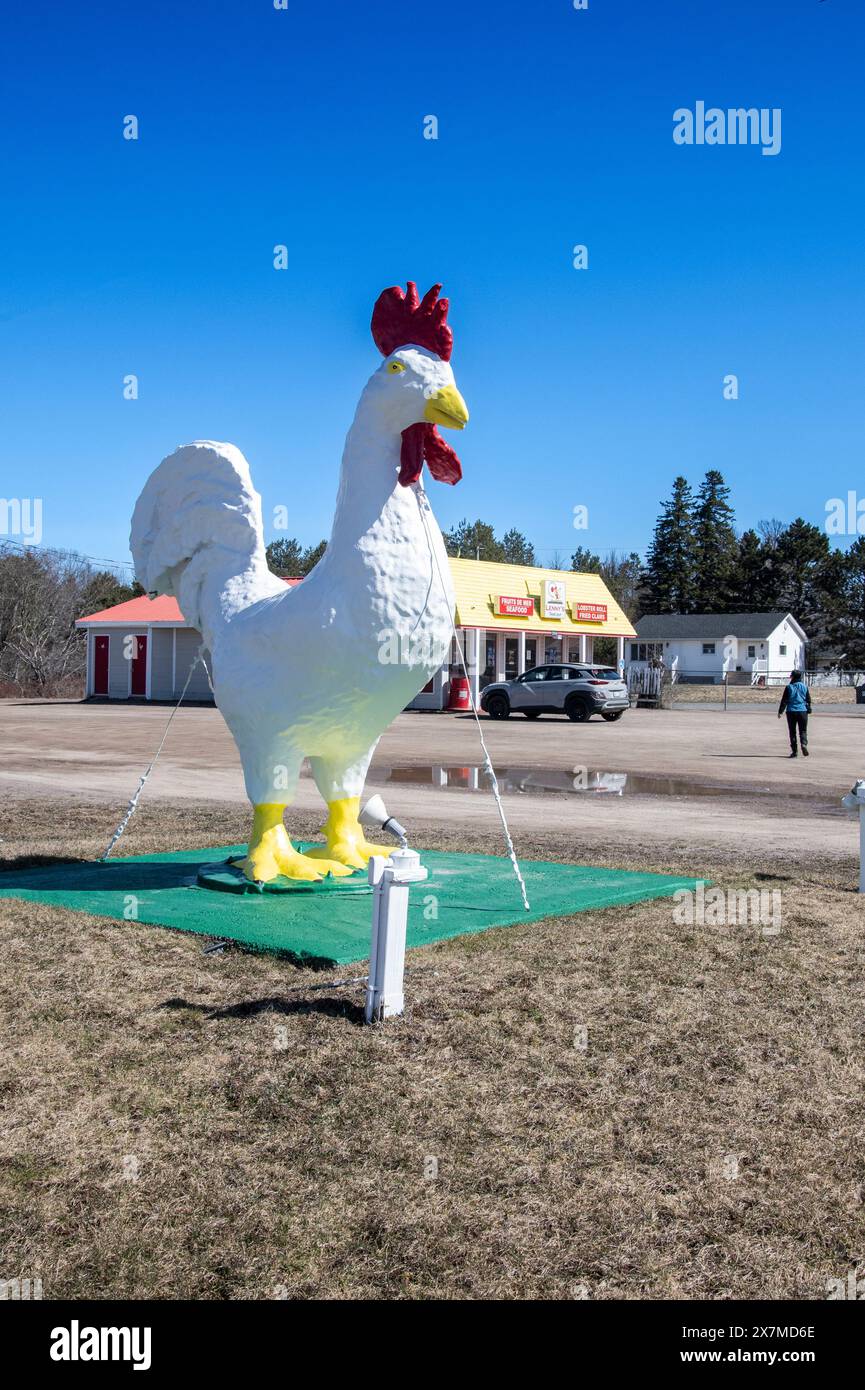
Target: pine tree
(103,590)
(288,558)
(584,561)
(754,588)
(847,622)
(474,540)
(284,556)
(715,546)
(668,581)
(807,578)
(518,550)
(311,556)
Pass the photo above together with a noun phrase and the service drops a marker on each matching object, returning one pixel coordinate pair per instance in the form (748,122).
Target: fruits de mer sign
(589,612)
(512,606)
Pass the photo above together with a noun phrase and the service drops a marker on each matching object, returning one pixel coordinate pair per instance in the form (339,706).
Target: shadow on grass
(37,861)
(331,1005)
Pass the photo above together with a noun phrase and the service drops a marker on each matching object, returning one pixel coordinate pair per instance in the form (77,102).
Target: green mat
(464,893)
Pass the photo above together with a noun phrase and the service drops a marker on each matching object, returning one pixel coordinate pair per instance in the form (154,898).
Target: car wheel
(613,715)
(498,707)
(577,711)
(532,713)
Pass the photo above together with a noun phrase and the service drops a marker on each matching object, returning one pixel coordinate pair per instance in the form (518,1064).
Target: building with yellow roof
(511,618)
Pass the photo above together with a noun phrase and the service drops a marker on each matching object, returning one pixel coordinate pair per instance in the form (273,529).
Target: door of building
(100,665)
(138,685)
(553,648)
(488,674)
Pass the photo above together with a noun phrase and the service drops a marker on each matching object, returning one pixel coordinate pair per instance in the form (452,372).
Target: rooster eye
(396,367)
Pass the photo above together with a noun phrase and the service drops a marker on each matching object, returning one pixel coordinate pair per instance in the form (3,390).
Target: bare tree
(41,651)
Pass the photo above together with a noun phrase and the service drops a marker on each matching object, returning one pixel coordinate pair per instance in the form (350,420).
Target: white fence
(659,688)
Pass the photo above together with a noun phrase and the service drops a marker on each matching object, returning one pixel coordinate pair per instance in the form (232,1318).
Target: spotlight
(375,814)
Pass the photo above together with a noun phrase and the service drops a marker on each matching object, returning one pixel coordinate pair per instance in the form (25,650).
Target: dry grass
(685,694)
(292,1163)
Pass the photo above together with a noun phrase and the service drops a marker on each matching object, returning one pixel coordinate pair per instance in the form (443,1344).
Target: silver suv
(578,691)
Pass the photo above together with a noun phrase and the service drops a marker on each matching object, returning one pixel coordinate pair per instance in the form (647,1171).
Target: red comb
(399,319)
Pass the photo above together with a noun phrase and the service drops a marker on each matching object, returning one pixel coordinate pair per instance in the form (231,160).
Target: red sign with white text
(510,606)
(589,612)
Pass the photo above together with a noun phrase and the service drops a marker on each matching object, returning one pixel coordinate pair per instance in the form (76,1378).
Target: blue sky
(305,127)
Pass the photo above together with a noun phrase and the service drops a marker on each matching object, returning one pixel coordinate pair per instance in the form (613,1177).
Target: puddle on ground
(534,781)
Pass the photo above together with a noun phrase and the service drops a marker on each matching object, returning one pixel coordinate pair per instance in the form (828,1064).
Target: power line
(58,550)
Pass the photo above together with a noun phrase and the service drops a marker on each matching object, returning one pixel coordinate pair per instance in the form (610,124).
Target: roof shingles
(682,626)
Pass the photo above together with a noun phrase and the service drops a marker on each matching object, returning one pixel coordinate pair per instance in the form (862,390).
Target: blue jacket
(796,699)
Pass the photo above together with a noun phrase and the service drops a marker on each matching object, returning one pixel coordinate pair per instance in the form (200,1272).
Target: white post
(620,654)
(521,651)
(475,665)
(855,801)
(384,990)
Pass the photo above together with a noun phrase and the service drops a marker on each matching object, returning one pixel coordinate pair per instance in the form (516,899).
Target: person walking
(796,704)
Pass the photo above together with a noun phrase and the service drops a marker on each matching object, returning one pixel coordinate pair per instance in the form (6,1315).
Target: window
(559,673)
(752,650)
(783,649)
(539,674)
(708,648)
(644,651)
(604,673)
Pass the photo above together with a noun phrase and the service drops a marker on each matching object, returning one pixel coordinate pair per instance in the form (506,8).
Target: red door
(100,666)
(139,667)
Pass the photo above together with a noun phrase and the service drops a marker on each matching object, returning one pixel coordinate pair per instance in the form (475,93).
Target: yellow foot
(344,838)
(271,852)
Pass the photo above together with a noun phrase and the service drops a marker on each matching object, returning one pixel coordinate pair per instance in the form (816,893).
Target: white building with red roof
(143,649)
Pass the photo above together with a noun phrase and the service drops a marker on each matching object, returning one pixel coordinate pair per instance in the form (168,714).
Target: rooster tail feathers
(197,527)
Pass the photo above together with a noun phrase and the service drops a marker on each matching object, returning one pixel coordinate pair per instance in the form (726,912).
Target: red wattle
(423,442)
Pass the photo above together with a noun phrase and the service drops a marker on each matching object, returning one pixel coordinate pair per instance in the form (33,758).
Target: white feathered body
(319,670)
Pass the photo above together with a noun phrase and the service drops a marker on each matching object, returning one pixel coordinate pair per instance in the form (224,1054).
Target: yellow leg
(271,852)
(344,837)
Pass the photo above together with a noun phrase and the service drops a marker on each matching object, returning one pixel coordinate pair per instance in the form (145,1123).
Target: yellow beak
(447,408)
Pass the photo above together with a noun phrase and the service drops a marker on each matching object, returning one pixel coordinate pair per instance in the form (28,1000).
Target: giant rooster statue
(320,670)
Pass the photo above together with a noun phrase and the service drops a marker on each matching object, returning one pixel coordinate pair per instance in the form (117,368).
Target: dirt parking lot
(701,780)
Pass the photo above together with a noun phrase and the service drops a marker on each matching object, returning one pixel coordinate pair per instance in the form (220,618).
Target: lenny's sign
(553,598)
